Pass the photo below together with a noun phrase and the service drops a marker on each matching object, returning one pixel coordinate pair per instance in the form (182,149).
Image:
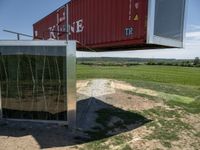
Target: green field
(162,74)
(178,80)
(177,87)
(181,81)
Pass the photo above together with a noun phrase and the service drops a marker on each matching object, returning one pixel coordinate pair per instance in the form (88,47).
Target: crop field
(174,122)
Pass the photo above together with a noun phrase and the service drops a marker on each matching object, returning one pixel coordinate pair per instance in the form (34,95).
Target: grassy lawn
(175,80)
(161,74)
(177,87)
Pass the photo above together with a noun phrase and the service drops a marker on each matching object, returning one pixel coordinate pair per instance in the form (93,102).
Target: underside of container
(102,25)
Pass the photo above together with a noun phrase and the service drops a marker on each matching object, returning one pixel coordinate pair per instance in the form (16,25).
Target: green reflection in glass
(33,82)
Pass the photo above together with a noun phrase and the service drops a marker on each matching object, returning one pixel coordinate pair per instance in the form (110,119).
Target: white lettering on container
(79,26)
(52,33)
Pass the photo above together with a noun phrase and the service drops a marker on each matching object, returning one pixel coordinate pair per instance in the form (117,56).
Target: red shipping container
(108,24)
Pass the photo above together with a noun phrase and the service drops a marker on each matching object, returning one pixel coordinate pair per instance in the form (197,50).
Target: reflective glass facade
(169,19)
(33,82)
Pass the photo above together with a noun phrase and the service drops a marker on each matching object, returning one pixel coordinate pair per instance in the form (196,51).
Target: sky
(19,15)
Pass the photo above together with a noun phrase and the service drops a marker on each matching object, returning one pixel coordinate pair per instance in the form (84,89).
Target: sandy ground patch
(33,136)
(127,87)
(24,143)
(187,141)
(129,102)
(82,83)
(113,92)
(96,88)
(193,120)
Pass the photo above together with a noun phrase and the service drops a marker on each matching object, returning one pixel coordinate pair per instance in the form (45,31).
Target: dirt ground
(113,92)
(92,95)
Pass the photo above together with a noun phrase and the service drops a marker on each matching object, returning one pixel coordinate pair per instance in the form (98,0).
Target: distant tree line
(183,63)
(111,61)
(197,61)
(93,63)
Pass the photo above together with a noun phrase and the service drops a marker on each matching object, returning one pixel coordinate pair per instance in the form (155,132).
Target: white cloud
(193,35)
(193,27)
(191,50)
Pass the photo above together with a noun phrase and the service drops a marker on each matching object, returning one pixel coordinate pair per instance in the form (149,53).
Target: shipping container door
(166,22)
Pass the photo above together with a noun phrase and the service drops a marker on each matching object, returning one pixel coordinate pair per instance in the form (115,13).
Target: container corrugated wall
(97,23)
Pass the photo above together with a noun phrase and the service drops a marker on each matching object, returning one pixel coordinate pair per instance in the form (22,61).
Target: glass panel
(169,19)
(33,82)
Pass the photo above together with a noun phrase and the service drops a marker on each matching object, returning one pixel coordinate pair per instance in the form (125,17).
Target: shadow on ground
(95,120)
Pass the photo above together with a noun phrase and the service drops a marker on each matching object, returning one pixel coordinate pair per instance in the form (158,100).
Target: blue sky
(19,15)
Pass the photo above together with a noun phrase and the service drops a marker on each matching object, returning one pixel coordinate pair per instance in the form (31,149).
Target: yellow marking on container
(136,18)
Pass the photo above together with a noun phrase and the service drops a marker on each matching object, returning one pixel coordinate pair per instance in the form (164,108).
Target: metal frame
(39,121)
(185,22)
(71,82)
(153,39)
(1,115)
(67,21)
(34,43)
(71,77)
(150,21)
